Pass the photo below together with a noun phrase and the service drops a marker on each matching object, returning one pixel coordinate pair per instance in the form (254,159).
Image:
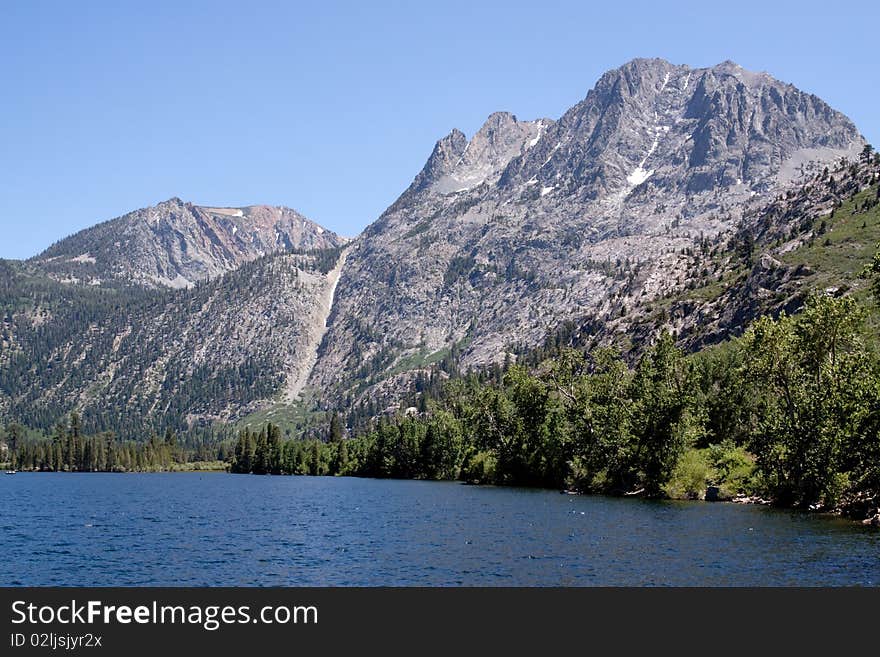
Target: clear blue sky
(331,107)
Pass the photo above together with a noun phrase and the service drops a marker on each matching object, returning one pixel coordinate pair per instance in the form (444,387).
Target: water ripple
(181,529)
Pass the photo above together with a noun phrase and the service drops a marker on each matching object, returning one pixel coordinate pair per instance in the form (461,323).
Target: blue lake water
(237,530)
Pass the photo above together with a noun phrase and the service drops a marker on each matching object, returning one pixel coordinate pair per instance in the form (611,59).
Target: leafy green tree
(722,401)
(442,446)
(815,388)
(597,409)
(660,397)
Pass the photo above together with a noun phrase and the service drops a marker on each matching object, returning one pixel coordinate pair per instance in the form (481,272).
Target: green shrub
(690,477)
(480,468)
(734,469)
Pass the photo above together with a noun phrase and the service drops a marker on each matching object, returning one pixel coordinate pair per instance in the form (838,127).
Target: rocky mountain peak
(176,243)
(502,237)
(458,165)
(681,130)
(731,68)
(638,74)
(447,152)
(501,138)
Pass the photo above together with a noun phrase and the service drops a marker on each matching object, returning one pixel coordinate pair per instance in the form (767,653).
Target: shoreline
(872,519)
(207,466)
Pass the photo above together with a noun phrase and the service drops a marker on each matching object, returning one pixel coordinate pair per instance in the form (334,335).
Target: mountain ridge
(653,157)
(176,243)
(500,241)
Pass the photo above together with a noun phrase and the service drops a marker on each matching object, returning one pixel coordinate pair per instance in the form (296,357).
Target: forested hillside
(137,360)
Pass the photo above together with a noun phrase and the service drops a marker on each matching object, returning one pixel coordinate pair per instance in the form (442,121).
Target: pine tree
(315,459)
(336,433)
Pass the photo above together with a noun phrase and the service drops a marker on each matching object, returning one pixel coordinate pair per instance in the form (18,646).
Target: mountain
(501,239)
(175,244)
(669,197)
(176,314)
(135,358)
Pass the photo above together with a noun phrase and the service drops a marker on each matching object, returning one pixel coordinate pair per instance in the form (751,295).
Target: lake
(191,529)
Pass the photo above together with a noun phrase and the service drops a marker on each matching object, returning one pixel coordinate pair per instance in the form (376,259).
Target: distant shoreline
(739,500)
(198,466)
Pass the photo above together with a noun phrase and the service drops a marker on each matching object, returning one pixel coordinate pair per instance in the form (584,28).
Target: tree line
(790,411)
(68,449)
